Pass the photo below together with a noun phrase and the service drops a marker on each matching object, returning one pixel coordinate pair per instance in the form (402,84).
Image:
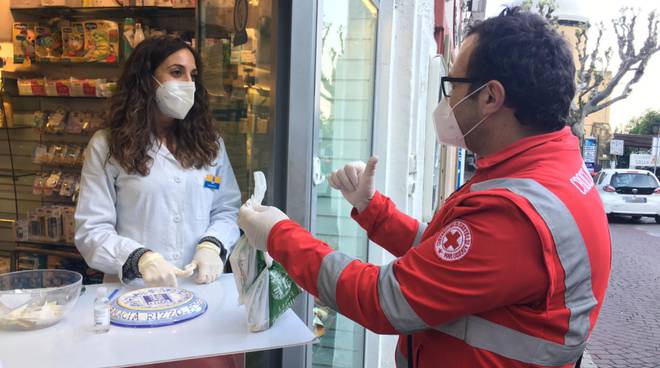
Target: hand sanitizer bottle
(101,311)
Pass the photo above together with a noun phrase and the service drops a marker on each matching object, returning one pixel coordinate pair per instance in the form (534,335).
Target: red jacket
(511,271)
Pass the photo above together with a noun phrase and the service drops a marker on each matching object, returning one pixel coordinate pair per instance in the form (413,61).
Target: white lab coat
(167,211)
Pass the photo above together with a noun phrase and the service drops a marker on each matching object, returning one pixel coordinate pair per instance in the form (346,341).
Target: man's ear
(492,97)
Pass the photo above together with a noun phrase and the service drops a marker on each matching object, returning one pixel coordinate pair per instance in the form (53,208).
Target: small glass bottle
(138,36)
(101,311)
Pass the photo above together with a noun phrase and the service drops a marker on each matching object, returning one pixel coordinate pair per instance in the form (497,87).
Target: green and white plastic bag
(263,285)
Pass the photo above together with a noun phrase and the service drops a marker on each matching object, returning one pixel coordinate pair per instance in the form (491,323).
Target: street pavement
(627,333)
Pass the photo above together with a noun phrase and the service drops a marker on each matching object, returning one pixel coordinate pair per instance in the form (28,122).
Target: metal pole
(657,150)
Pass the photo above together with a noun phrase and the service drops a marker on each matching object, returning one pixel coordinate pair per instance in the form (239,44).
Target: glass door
(237,43)
(347,62)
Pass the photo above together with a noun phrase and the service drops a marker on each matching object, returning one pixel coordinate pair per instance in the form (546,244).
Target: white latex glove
(257,221)
(207,262)
(356,182)
(156,271)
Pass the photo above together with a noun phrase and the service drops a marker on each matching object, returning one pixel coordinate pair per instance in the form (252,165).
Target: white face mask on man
(446,126)
(175,98)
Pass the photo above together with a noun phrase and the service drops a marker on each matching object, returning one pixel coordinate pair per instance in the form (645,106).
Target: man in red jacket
(512,270)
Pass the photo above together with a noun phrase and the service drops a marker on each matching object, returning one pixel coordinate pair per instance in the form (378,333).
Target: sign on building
(641,160)
(616,147)
(589,152)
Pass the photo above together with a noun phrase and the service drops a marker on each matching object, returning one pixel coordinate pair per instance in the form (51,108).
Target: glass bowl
(31,300)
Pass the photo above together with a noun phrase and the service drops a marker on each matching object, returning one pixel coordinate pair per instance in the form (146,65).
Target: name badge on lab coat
(212,182)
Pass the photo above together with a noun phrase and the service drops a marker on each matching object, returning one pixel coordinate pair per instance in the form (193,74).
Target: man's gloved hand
(356,182)
(207,262)
(156,271)
(257,221)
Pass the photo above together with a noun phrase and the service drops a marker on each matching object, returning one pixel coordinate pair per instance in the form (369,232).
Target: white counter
(221,330)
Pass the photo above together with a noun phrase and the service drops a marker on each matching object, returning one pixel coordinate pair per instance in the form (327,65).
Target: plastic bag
(263,285)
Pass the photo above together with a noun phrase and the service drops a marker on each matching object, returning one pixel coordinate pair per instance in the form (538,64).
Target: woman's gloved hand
(207,262)
(257,221)
(156,271)
(356,182)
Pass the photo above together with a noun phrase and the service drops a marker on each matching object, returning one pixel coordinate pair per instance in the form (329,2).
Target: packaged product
(32,87)
(21,230)
(40,154)
(89,87)
(48,44)
(58,87)
(95,122)
(184,3)
(37,224)
(15,4)
(101,41)
(53,183)
(105,89)
(55,152)
(54,2)
(39,120)
(68,186)
(72,155)
(73,43)
(74,123)
(54,224)
(23,38)
(68,225)
(39,183)
(56,122)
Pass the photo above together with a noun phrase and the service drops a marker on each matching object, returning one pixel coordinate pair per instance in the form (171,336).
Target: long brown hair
(133,112)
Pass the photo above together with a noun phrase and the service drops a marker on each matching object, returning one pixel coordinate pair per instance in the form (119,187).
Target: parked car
(629,192)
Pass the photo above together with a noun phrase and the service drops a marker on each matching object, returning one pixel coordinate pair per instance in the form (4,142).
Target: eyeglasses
(447,86)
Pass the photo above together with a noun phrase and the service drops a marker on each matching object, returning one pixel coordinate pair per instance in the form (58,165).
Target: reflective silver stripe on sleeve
(484,334)
(331,267)
(420,231)
(578,296)
(400,360)
(395,306)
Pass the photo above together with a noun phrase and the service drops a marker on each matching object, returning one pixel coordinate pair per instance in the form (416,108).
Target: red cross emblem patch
(454,241)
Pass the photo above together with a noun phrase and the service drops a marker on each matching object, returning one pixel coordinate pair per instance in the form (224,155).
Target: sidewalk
(587,362)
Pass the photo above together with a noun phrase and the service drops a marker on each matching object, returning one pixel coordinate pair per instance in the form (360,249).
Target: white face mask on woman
(175,98)
(446,126)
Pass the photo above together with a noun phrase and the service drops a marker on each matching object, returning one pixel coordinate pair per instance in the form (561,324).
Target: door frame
(303,130)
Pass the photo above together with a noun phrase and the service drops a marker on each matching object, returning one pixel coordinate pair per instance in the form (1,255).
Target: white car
(629,192)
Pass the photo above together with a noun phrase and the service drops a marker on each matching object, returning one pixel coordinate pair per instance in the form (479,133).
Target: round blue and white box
(156,307)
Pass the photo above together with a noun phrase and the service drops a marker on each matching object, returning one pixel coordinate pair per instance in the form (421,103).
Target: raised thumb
(370,169)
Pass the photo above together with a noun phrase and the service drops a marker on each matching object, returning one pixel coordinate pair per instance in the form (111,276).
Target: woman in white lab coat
(158,197)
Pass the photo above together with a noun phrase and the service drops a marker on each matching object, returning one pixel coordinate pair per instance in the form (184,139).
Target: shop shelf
(7,217)
(58,97)
(20,127)
(35,247)
(105,12)
(8,174)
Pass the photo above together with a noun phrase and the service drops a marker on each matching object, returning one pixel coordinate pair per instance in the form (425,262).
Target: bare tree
(595,82)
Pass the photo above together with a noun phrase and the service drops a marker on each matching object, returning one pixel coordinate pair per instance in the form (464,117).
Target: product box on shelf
(21,232)
(24,37)
(100,3)
(69,224)
(54,3)
(73,42)
(17,4)
(5,263)
(48,44)
(50,224)
(184,3)
(101,41)
(29,261)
